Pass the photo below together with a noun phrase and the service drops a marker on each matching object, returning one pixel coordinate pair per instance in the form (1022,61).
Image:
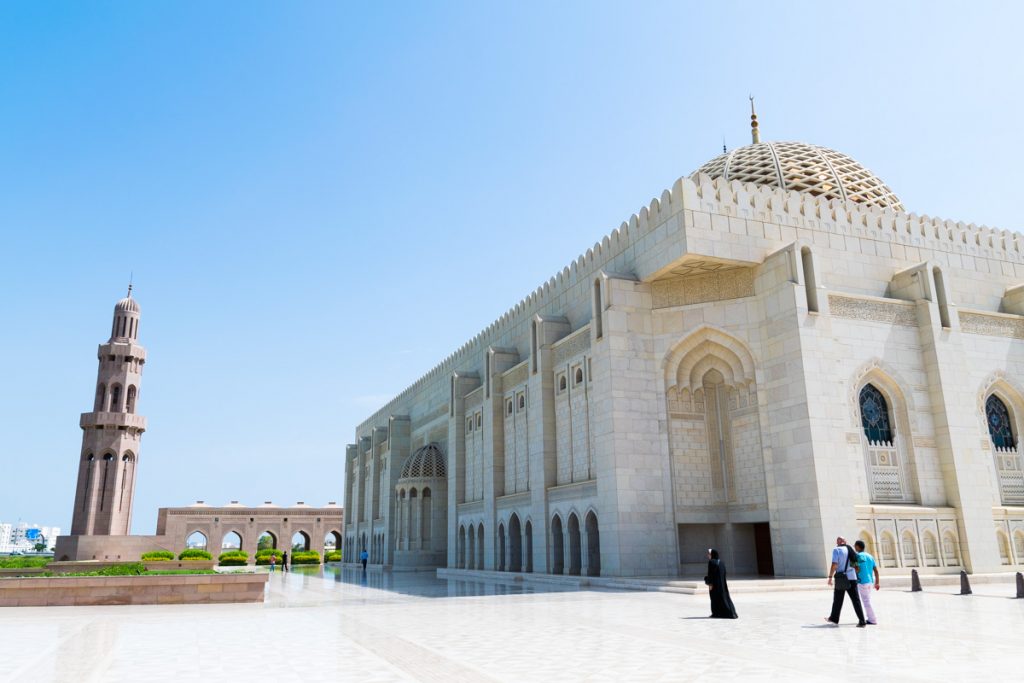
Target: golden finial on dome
(754,133)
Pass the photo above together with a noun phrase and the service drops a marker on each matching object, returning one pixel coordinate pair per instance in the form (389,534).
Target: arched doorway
(266,541)
(197,540)
(593,546)
(471,550)
(332,541)
(480,546)
(529,546)
(232,541)
(557,546)
(460,560)
(300,541)
(515,539)
(575,551)
(501,547)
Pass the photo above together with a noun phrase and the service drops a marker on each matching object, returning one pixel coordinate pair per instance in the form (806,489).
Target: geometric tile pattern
(798,166)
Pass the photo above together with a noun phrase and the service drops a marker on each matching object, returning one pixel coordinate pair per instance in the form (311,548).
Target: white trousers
(865,600)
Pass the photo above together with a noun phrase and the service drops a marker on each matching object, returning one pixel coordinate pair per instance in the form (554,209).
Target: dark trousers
(837,603)
(364,569)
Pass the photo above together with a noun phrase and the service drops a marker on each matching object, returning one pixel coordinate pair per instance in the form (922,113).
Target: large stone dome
(802,167)
(425,463)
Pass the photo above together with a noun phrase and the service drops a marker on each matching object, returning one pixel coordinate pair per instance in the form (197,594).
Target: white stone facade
(697,379)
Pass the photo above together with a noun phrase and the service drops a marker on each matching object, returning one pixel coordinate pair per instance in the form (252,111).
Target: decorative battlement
(740,200)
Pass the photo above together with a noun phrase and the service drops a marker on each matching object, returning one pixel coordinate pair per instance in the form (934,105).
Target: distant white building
(24,536)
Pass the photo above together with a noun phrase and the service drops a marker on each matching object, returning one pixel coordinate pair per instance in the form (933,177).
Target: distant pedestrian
(284,561)
(844,568)
(867,574)
(272,560)
(721,602)
(364,556)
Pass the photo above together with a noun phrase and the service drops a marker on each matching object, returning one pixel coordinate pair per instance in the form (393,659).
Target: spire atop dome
(755,134)
(131,276)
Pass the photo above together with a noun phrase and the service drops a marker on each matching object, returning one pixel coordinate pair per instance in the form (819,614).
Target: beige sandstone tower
(112,432)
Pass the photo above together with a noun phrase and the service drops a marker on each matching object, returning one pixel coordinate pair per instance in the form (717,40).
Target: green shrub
(333,556)
(126,569)
(263,556)
(306,557)
(233,558)
(23,562)
(195,554)
(169,572)
(158,556)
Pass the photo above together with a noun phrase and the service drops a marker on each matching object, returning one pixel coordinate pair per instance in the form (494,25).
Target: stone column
(398,450)
(500,360)
(546,330)
(461,383)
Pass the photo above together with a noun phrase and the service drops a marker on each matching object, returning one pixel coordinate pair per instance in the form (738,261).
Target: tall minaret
(111,433)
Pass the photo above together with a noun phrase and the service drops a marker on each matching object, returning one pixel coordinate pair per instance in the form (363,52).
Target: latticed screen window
(999,428)
(874,415)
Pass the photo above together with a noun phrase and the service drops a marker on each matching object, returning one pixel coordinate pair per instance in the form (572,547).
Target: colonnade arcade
(579,543)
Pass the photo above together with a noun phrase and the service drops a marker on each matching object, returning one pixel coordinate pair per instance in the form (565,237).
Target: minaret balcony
(112,420)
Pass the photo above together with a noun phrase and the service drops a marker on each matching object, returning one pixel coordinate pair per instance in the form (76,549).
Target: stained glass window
(874,415)
(998,418)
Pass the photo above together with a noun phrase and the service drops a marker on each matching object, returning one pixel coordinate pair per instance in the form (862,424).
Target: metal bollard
(1020,585)
(965,585)
(915,582)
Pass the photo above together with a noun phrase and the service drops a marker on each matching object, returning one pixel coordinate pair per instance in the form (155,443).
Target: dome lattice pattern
(425,463)
(817,170)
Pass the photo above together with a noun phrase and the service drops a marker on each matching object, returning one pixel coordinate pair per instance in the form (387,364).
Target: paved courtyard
(340,626)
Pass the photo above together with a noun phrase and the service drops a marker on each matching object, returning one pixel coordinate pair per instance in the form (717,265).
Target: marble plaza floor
(340,625)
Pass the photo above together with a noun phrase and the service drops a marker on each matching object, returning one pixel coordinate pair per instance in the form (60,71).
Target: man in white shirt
(843,562)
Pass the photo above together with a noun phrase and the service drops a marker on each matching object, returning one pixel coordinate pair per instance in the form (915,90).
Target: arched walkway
(300,541)
(266,541)
(472,549)
(480,546)
(232,541)
(460,555)
(197,539)
(501,547)
(557,546)
(575,550)
(515,538)
(593,546)
(529,546)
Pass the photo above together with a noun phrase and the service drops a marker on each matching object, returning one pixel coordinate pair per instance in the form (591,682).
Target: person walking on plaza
(867,574)
(844,568)
(721,602)
(364,556)
(284,561)
(272,559)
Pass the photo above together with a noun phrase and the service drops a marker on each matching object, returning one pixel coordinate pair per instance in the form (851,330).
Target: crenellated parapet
(733,199)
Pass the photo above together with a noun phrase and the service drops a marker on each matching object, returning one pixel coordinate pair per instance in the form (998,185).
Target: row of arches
(110,402)
(909,551)
(514,546)
(415,517)
(232,540)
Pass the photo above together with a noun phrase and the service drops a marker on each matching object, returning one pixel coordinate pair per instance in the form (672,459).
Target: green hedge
(195,554)
(233,558)
(23,562)
(263,556)
(333,556)
(158,556)
(306,557)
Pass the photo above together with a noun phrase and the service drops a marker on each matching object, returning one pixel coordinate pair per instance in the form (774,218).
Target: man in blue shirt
(844,568)
(867,574)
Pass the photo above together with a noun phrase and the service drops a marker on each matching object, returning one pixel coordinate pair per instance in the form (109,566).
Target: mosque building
(772,353)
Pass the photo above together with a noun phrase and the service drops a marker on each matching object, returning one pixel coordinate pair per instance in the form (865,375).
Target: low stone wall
(132,590)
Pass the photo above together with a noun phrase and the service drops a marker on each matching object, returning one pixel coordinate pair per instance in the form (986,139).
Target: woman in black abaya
(721,603)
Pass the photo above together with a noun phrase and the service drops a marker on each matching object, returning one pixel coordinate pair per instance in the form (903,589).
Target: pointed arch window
(999,425)
(874,415)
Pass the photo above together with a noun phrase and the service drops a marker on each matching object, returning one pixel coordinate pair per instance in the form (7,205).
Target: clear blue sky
(297,186)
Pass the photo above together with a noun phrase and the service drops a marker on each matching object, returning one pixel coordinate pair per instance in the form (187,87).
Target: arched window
(874,415)
(999,425)
(561,383)
(578,377)
(101,393)
(130,400)
(115,398)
